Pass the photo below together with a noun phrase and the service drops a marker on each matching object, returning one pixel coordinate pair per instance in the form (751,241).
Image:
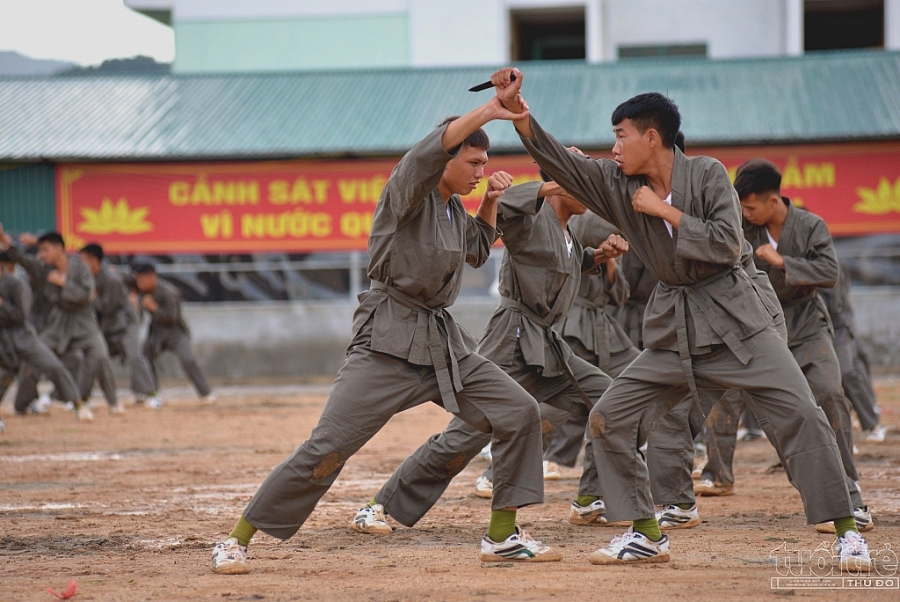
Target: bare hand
(577,151)
(148,303)
(768,254)
(646,201)
(612,247)
(56,277)
(508,91)
(499,111)
(27,239)
(497,185)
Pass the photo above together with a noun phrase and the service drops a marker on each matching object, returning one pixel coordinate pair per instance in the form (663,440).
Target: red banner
(308,206)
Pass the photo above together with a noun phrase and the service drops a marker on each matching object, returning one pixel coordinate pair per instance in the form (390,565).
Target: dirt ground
(130,507)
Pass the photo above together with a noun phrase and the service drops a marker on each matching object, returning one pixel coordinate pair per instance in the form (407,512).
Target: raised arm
(819,267)
(716,236)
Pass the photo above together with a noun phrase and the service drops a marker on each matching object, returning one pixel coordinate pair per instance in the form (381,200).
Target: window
(669,51)
(839,24)
(547,34)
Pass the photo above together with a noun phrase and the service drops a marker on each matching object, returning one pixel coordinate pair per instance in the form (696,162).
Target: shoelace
(854,544)
(526,538)
(621,539)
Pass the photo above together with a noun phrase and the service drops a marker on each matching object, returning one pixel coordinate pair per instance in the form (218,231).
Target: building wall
(283,339)
(215,36)
(27,197)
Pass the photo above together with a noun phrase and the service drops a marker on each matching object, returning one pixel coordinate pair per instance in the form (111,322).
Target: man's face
(632,149)
(91,261)
(49,252)
(759,209)
(463,173)
(146,283)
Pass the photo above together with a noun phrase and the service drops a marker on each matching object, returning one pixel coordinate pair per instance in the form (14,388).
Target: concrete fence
(273,339)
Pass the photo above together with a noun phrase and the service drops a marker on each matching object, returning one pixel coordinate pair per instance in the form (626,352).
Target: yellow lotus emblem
(881,200)
(118,219)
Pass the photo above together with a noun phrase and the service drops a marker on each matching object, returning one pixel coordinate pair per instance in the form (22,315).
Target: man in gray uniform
(706,325)
(168,331)
(855,377)
(593,335)
(796,250)
(19,342)
(407,349)
(641,283)
(72,331)
(539,280)
(120,325)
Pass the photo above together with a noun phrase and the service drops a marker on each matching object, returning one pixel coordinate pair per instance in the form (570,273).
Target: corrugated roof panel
(833,96)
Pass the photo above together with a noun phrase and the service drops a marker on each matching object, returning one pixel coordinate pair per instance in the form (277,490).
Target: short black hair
(757,176)
(94,249)
(144,268)
(651,110)
(53,238)
(544,175)
(679,141)
(477,139)
(6,257)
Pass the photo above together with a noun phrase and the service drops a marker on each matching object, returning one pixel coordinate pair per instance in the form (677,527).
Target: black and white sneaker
(519,546)
(853,552)
(371,520)
(594,514)
(674,517)
(230,558)
(632,547)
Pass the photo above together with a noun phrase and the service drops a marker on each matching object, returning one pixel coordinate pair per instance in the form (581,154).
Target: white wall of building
(892,24)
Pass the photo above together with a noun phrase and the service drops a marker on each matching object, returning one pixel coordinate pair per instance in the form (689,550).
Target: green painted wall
(27,197)
(291,44)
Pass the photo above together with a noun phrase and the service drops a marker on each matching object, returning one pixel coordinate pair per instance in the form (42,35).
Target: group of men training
(734,310)
(71,314)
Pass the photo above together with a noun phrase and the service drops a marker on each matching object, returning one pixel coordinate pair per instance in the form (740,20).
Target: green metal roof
(819,97)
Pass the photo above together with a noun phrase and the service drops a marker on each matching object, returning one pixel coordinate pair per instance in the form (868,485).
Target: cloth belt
(556,342)
(601,331)
(447,376)
(801,300)
(719,327)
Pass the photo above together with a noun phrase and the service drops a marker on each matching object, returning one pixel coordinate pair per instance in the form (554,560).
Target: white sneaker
(485,453)
(371,520)
(43,404)
(484,487)
(230,558)
(84,413)
(117,409)
(697,473)
(708,487)
(2,426)
(674,517)
(632,547)
(863,519)
(154,403)
(853,552)
(876,435)
(594,514)
(551,471)
(518,546)
(208,399)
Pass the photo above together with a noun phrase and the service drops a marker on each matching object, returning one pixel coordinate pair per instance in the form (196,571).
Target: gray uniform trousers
(39,359)
(128,347)
(174,339)
(566,441)
(819,364)
(84,357)
(855,379)
(655,382)
(424,476)
(369,389)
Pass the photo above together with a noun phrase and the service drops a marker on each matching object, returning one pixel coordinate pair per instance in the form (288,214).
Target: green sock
(371,503)
(243,531)
(503,524)
(686,506)
(586,500)
(648,527)
(842,525)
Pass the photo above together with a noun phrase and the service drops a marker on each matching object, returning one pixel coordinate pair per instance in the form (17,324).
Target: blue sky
(86,32)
